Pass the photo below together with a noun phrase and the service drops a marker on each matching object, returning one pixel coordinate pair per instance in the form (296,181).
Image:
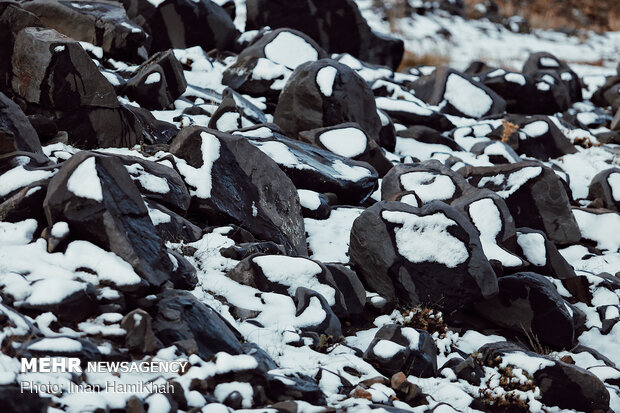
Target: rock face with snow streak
(396,348)
(235,112)
(542,63)
(460,95)
(96,197)
(534,195)
(231,180)
(409,269)
(540,138)
(314,168)
(158,82)
(350,141)
(604,190)
(326,93)
(287,47)
(426,181)
(528,303)
(337,26)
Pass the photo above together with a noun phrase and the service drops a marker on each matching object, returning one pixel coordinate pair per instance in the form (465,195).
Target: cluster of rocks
(299,222)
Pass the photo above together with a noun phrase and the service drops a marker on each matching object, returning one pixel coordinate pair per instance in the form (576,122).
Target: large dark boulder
(179,24)
(604,189)
(16,132)
(544,63)
(180,319)
(393,247)
(540,138)
(396,348)
(102,23)
(529,304)
(326,93)
(534,194)
(52,70)
(459,93)
(95,195)
(314,168)
(231,181)
(337,25)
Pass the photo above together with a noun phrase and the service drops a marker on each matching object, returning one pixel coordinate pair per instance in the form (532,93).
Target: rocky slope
(252,189)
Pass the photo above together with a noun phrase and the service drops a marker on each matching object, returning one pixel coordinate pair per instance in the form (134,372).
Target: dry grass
(411,60)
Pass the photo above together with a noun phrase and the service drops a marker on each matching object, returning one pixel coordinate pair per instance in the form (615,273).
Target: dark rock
(542,254)
(605,189)
(561,384)
(306,301)
(425,134)
(183,274)
(350,141)
(287,47)
(171,226)
(94,194)
(489,213)
(352,289)
(256,76)
(338,26)
(462,95)
(16,132)
(102,23)
(411,113)
(140,337)
(407,268)
(540,138)
(544,62)
(157,83)
(235,112)
(231,181)
(314,168)
(396,348)
(192,326)
(85,350)
(284,275)
(179,24)
(158,182)
(25,203)
(313,204)
(326,93)
(243,251)
(528,303)
(387,134)
(534,194)
(74,307)
(527,94)
(52,70)
(282,387)
(429,180)
(14,399)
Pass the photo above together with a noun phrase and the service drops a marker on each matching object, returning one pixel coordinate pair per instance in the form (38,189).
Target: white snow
(295,272)
(535,129)
(200,178)
(325,78)
(60,229)
(613,180)
(466,97)
(329,239)
(222,391)
(428,186)
(348,142)
(418,237)
(154,77)
(58,344)
(513,182)
(533,246)
(387,349)
(602,228)
(548,62)
(517,78)
(486,217)
(530,364)
(393,105)
(84,181)
(148,181)
(309,199)
(290,50)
